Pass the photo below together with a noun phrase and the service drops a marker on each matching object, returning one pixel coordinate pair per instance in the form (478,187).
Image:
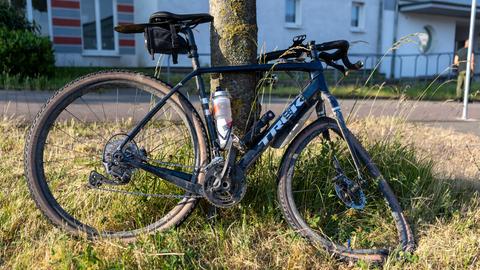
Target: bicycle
(94,170)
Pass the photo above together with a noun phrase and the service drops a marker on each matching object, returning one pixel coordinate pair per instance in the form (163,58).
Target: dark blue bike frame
(309,97)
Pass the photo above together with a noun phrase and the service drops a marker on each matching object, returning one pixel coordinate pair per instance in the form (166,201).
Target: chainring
(222,193)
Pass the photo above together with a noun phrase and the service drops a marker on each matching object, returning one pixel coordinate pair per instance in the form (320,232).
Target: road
(441,114)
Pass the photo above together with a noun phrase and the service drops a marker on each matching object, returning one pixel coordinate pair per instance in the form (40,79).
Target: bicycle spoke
(134,105)
(90,109)
(76,142)
(62,147)
(168,145)
(64,159)
(83,122)
(75,139)
(104,113)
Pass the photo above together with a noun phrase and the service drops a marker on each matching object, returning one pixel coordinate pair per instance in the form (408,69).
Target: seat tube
(204,99)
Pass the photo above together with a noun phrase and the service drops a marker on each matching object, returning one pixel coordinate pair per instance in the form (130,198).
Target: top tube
(306,67)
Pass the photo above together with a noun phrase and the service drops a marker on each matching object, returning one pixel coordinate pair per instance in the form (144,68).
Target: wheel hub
(113,158)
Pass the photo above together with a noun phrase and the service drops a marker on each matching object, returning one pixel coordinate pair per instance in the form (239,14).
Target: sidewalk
(443,114)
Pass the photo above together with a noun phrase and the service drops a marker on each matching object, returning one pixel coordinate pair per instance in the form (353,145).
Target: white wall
(145,8)
(75,59)
(408,24)
(443,41)
(321,21)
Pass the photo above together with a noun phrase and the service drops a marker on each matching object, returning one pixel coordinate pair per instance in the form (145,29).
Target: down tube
(132,133)
(297,108)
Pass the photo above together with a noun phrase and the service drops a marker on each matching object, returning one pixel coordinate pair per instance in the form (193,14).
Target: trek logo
(283,120)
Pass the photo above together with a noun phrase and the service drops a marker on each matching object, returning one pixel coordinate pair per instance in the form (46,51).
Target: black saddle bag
(164,39)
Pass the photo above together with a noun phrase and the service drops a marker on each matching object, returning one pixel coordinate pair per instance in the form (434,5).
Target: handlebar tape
(341,53)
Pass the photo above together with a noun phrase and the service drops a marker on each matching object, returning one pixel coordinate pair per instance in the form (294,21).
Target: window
(38,11)
(98,20)
(40,16)
(292,13)
(425,39)
(357,21)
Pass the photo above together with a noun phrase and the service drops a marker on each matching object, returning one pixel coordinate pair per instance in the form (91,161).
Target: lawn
(286,86)
(433,178)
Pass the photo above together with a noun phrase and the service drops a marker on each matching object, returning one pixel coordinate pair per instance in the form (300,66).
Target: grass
(436,92)
(253,235)
(285,88)
(63,75)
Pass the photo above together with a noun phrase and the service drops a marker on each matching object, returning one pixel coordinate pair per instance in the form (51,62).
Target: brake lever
(359,64)
(337,66)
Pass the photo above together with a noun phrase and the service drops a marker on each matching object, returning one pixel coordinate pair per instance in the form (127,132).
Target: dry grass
(456,155)
(254,235)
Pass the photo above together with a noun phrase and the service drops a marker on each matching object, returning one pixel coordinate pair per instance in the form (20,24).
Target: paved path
(442,114)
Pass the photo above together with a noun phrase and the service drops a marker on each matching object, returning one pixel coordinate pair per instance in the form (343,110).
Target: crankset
(219,188)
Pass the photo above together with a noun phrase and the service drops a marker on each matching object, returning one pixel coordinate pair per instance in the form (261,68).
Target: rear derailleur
(113,160)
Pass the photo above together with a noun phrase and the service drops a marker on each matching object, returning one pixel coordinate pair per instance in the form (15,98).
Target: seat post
(193,48)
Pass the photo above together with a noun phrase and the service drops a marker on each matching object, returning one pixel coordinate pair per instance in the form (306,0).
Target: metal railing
(434,64)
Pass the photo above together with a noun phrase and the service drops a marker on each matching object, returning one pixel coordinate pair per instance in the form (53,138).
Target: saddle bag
(164,39)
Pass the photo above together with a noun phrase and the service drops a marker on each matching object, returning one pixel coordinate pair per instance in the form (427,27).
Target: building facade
(429,31)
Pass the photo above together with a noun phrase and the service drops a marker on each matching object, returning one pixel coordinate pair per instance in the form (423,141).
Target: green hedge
(26,54)
(14,19)
(22,52)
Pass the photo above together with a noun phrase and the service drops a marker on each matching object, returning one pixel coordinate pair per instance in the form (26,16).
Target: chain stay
(135,193)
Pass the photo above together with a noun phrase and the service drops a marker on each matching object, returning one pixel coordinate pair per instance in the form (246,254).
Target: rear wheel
(76,133)
(324,199)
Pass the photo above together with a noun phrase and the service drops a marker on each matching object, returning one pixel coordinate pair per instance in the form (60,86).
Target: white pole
(469,59)
(29,10)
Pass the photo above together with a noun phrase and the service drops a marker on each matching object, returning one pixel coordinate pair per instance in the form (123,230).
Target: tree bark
(233,41)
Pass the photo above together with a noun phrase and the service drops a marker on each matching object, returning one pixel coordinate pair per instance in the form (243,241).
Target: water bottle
(222,111)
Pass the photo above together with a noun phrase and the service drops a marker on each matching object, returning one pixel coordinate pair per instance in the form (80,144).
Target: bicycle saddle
(166,18)
(189,19)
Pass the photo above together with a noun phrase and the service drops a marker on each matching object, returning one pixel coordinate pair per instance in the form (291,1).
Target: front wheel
(324,199)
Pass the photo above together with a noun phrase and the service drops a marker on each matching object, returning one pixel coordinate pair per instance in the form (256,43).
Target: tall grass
(252,235)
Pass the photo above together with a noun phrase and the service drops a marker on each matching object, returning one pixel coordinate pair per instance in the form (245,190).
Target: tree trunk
(233,41)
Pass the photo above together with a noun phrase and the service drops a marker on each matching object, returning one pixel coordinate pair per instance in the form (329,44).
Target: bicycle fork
(341,124)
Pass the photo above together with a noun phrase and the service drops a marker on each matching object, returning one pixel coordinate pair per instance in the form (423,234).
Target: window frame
(29,15)
(298,15)
(361,16)
(99,51)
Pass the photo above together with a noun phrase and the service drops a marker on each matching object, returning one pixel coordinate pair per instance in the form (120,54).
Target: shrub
(24,53)
(13,19)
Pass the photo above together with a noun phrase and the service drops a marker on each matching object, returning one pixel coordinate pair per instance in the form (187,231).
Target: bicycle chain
(173,196)
(134,193)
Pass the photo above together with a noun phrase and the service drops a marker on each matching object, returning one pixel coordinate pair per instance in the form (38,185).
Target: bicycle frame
(313,93)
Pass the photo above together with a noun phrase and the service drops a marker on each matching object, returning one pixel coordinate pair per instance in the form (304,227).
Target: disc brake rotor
(349,192)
